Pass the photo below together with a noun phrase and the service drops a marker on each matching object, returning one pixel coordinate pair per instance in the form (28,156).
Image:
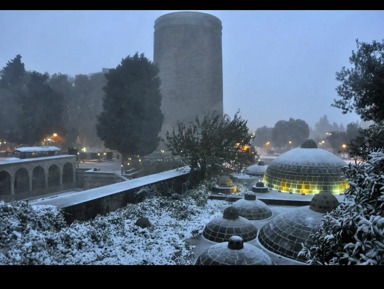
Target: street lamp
(344,146)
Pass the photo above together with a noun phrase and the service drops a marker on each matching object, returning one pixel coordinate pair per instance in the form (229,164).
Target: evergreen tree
(12,86)
(41,110)
(362,86)
(131,118)
(368,140)
(353,233)
(13,73)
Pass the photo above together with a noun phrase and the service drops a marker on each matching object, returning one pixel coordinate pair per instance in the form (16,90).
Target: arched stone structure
(5,183)
(39,179)
(21,181)
(68,174)
(24,178)
(53,176)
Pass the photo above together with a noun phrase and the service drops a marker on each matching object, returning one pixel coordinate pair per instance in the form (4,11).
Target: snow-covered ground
(38,234)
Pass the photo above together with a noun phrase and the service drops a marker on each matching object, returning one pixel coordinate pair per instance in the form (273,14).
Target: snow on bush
(353,233)
(34,235)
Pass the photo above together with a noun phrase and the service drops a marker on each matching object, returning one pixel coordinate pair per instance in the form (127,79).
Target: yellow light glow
(55,134)
(307,187)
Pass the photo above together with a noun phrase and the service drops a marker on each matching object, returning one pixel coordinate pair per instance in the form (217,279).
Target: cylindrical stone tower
(188,52)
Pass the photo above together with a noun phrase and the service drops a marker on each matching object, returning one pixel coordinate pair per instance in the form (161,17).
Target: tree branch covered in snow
(353,233)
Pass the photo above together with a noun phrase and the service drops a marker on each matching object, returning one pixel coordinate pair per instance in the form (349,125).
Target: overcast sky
(276,64)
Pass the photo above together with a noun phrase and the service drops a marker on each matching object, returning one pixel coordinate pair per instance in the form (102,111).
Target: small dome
(225,181)
(221,229)
(231,213)
(249,196)
(285,233)
(259,184)
(252,209)
(309,144)
(256,170)
(260,188)
(324,202)
(225,185)
(233,252)
(307,170)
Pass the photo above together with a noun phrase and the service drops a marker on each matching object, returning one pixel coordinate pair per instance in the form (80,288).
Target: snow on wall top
(38,149)
(74,198)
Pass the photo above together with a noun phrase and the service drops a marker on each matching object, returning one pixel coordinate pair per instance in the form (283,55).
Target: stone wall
(103,205)
(89,179)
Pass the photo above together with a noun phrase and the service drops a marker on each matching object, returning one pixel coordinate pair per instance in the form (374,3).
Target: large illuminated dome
(306,170)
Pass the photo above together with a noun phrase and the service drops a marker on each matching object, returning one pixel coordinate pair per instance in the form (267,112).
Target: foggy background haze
(276,64)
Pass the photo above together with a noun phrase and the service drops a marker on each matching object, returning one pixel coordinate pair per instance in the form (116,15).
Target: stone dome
(284,234)
(233,252)
(225,181)
(225,185)
(306,170)
(260,188)
(257,169)
(252,209)
(221,229)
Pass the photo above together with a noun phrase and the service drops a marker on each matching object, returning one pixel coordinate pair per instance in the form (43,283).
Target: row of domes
(282,234)
(305,170)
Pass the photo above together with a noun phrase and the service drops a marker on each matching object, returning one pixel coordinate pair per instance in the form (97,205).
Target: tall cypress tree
(131,118)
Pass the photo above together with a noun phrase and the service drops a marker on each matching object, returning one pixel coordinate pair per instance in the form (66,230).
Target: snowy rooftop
(38,149)
(17,160)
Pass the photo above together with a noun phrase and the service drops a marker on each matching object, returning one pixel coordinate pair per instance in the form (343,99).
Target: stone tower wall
(188,52)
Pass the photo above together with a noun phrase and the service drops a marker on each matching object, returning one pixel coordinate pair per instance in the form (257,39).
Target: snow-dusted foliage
(353,233)
(39,234)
